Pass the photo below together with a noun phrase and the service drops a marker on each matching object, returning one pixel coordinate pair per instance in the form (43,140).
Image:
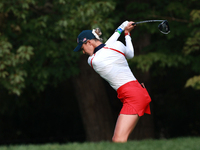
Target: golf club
(163,26)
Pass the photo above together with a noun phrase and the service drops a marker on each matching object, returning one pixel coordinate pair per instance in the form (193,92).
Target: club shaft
(147,21)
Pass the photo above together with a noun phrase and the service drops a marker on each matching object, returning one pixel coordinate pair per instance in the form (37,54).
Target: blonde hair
(97,33)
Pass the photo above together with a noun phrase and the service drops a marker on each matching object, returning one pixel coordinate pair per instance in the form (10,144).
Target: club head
(164,27)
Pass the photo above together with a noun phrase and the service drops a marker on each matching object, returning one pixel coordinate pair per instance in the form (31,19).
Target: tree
(183,22)
(46,33)
(37,39)
(94,103)
(42,28)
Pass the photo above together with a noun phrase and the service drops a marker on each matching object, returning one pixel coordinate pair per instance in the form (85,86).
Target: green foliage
(12,74)
(194,82)
(177,49)
(42,35)
(192,44)
(192,47)
(145,62)
(172,144)
(178,9)
(195,16)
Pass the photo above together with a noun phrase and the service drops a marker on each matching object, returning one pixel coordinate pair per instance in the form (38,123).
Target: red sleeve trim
(106,48)
(91,61)
(127,34)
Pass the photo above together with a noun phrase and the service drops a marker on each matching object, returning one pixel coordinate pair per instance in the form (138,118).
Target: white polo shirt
(110,61)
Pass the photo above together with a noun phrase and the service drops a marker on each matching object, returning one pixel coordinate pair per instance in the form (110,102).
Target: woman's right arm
(113,38)
(117,33)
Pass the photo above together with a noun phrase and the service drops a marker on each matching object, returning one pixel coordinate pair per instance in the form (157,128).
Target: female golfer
(109,61)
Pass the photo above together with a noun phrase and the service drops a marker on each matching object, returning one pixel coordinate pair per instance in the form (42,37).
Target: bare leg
(124,126)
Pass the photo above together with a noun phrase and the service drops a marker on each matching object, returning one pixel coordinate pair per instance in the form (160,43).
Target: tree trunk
(145,127)
(94,104)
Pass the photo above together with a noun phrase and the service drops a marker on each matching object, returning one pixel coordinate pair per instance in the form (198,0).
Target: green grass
(188,143)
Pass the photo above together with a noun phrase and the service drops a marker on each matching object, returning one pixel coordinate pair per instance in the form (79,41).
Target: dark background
(54,116)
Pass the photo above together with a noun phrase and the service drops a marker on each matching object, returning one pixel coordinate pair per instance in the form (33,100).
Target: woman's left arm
(129,49)
(129,52)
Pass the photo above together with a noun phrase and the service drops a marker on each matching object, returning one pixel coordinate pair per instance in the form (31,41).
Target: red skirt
(135,99)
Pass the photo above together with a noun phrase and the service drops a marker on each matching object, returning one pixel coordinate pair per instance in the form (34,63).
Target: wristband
(119,30)
(127,34)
